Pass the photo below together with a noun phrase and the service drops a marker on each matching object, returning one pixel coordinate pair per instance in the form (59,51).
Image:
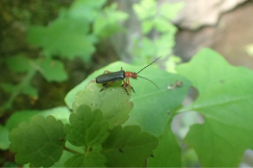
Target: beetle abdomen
(109,77)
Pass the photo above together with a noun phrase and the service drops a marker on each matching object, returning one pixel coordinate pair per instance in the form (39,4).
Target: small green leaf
(145,9)
(164,26)
(65,37)
(107,23)
(128,147)
(18,63)
(4,141)
(52,70)
(87,9)
(168,152)
(146,26)
(9,87)
(86,128)
(113,101)
(226,101)
(39,142)
(91,159)
(28,89)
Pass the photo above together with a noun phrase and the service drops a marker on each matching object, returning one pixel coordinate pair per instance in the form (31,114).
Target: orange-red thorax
(129,74)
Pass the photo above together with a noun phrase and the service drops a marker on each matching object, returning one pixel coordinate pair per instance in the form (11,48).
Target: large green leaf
(226,101)
(151,105)
(168,152)
(128,147)
(39,142)
(86,128)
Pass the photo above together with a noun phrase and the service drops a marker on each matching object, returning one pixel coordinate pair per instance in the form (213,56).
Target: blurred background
(48,47)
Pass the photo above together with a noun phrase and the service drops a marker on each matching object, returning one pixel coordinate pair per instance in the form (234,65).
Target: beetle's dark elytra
(113,76)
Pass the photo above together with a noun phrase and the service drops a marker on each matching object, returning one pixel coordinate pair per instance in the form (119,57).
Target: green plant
(225,101)
(154,19)
(104,113)
(73,34)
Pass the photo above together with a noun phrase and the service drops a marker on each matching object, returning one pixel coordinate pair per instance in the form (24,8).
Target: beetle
(108,78)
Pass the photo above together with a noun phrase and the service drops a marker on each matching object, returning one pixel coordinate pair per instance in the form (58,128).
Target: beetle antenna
(148,64)
(148,80)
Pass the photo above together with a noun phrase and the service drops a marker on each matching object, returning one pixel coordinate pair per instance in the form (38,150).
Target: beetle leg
(106,72)
(124,85)
(105,85)
(130,85)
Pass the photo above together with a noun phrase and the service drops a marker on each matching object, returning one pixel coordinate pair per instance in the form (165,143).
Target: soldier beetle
(108,78)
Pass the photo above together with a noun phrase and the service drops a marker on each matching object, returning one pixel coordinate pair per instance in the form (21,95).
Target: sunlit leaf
(170,10)
(226,101)
(145,9)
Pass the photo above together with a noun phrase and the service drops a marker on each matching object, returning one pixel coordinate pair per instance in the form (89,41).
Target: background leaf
(18,63)
(128,147)
(65,37)
(39,142)
(86,128)
(225,100)
(52,70)
(4,141)
(151,118)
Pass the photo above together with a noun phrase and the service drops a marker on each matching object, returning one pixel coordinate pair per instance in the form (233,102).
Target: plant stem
(20,86)
(71,151)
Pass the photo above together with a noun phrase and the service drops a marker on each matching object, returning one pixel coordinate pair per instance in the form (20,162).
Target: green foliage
(225,100)
(65,37)
(18,63)
(154,19)
(128,147)
(147,96)
(86,128)
(34,141)
(51,70)
(73,34)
